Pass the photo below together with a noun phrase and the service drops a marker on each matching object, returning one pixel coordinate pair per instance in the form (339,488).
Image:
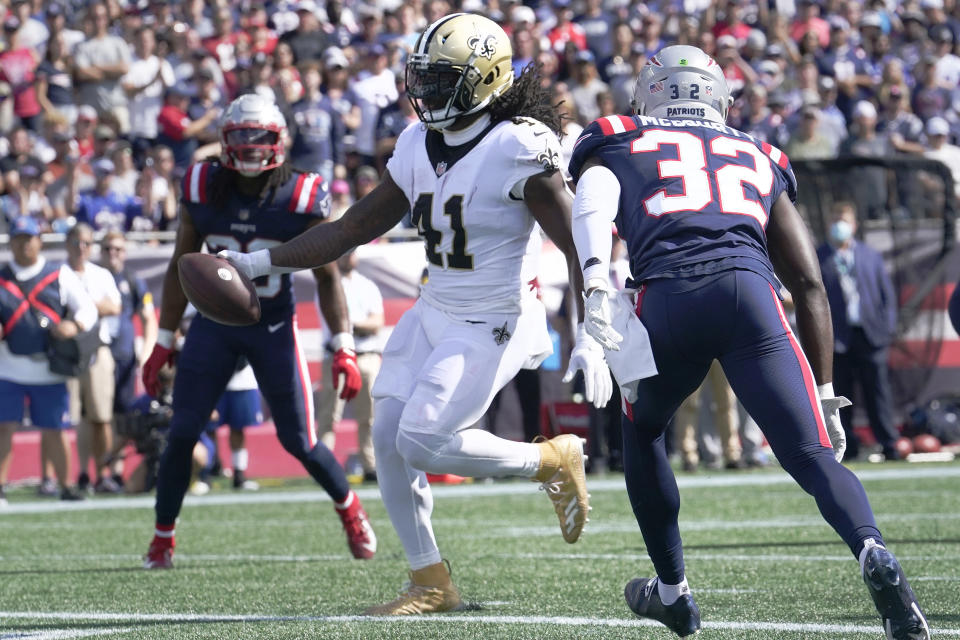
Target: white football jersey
(482,244)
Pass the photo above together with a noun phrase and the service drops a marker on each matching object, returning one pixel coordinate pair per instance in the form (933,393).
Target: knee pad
(420,449)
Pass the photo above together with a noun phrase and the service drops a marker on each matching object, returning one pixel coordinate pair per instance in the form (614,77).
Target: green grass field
(275,564)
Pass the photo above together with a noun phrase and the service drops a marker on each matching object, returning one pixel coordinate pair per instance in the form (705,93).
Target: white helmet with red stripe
(682,82)
(253,133)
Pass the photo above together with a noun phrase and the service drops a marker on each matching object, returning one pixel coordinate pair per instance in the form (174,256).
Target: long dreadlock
(224,182)
(528,97)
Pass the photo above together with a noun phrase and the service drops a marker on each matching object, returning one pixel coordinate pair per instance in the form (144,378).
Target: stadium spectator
(54,80)
(308,40)
(616,63)
(863,306)
(20,156)
(144,84)
(374,88)
(585,86)
(101,61)
(938,148)
(391,123)
(318,128)
(101,207)
(92,392)
(177,130)
(365,305)
(808,21)
(598,25)
(28,198)
(564,29)
(903,130)
(18,64)
(61,308)
(869,184)
(135,300)
(340,199)
(808,142)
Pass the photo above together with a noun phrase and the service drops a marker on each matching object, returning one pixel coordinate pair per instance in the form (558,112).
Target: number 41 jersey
(695,195)
(482,243)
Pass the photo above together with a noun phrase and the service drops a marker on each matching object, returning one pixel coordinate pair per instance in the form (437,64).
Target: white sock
(472,453)
(405,490)
(240,459)
(346,502)
(868,544)
(670,593)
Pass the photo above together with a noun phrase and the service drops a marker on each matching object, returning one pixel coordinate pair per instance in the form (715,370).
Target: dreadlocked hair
(528,98)
(223,183)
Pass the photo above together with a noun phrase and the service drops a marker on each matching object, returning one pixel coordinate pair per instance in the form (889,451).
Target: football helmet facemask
(460,64)
(682,82)
(253,133)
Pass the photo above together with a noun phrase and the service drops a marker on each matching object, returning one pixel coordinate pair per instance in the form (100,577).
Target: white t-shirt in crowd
(373,92)
(80,308)
(100,284)
(949,155)
(145,106)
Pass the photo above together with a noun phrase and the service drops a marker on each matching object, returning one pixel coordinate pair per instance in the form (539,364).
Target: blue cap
(585,56)
(25,226)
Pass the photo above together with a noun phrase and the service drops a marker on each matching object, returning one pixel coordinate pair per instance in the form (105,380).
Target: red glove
(160,356)
(345,364)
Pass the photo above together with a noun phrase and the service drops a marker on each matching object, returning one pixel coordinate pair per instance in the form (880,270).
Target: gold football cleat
(562,476)
(430,590)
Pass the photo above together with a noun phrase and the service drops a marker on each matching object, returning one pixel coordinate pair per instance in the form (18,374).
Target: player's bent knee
(421,450)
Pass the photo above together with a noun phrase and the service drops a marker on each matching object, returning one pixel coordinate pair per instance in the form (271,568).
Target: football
(218,290)
(904,446)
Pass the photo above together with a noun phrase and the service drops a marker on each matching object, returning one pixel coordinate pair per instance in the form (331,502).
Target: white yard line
(456,619)
(61,634)
(705,481)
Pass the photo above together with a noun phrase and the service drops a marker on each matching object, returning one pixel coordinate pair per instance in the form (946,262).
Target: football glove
(161,355)
(345,366)
(597,317)
(831,405)
(587,355)
(253,265)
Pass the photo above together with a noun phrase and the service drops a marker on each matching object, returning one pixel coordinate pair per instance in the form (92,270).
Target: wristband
(826,390)
(342,340)
(165,338)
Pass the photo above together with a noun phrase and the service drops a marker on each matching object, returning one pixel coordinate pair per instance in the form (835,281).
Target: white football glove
(253,265)
(588,356)
(831,405)
(596,320)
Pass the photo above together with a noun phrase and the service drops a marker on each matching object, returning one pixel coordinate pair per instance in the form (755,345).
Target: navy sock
(173,478)
(655,500)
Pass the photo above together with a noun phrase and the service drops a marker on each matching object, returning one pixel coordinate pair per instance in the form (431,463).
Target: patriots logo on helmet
(484,46)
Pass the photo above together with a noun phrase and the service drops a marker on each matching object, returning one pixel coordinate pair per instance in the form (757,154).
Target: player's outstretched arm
(369,218)
(550,201)
(172,305)
(795,260)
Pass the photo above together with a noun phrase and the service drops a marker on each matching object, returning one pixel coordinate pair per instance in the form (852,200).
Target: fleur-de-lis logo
(549,158)
(500,334)
(483,46)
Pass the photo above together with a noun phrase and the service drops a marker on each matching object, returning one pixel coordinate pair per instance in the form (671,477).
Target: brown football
(218,290)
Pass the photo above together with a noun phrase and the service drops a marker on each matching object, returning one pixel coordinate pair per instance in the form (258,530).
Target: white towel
(634,361)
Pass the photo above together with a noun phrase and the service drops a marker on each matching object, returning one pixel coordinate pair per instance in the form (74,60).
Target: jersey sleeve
(193,187)
(310,196)
(400,164)
(534,149)
(784,170)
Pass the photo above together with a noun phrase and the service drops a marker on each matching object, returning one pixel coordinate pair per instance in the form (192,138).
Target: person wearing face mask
(863,305)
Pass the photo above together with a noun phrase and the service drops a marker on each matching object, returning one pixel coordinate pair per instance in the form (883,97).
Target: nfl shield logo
(441,168)
(243,214)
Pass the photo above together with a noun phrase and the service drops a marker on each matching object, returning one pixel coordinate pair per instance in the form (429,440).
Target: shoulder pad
(195,180)
(599,132)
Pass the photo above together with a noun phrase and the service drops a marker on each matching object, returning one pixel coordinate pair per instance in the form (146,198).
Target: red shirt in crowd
(570,32)
(173,122)
(818,25)
(17,67)
(740,31)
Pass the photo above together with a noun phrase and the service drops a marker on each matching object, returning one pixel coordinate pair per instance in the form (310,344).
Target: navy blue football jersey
(243,223)
(695,195)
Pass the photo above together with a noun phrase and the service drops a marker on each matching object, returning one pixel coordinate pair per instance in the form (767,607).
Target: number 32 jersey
(482,243)
(695,195)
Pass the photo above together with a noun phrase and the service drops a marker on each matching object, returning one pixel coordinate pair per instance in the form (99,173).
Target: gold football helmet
(460,64)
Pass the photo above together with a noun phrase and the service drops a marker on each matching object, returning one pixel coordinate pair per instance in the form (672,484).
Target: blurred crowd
(103,104)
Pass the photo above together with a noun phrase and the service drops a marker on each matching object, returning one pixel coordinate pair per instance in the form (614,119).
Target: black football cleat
(893,597)
(682,617)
